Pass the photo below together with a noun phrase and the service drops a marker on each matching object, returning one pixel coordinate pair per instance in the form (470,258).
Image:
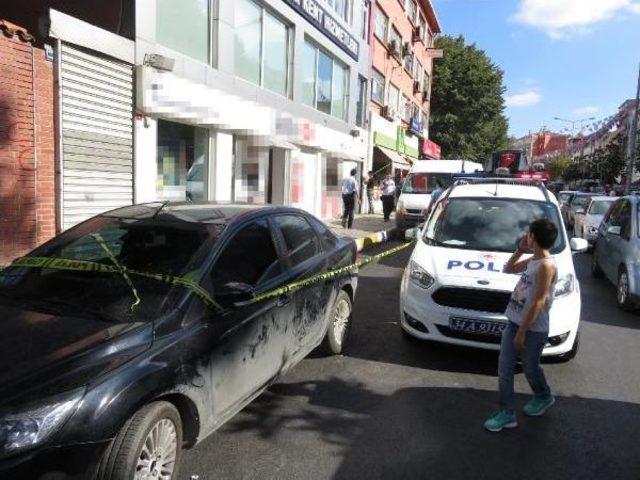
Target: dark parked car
(108,373)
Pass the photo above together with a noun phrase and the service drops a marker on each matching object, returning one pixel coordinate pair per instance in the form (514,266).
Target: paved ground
(396,409)
(363,225)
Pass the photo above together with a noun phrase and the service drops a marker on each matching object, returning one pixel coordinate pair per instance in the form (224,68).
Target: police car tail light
(419,276)
(564,286)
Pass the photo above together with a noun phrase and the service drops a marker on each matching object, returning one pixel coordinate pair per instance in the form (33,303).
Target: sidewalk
(369,229)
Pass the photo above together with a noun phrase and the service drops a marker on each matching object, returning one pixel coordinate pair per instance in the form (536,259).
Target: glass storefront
(182,162)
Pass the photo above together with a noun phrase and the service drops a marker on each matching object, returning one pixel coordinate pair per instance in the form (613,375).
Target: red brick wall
(27,144)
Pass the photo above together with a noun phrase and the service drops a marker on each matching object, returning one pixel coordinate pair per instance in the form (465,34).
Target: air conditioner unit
(394,49)
(388,112)
(416,87)
(407,49)
(417,34)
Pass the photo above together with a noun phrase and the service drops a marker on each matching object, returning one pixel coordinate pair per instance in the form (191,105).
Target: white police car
(453,289)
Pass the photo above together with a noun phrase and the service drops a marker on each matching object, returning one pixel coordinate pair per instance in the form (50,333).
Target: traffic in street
(392,407)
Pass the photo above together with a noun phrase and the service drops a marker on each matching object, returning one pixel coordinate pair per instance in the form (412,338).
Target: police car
(454,290)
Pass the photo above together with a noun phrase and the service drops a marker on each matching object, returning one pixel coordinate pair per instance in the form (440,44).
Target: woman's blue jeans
(533,344)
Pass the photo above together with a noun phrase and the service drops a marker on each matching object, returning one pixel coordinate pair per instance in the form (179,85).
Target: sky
(572,59)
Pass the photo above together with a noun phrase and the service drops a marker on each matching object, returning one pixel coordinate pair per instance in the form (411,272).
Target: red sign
(431,149)
(507,160)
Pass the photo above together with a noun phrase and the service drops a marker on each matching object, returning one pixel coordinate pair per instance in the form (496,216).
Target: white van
(421,182)
(454,289)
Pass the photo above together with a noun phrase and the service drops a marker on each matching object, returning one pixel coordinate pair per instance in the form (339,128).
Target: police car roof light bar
(500,181)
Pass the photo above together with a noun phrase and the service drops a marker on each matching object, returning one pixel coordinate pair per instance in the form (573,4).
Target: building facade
(27,163)
(402,36)
(260,101)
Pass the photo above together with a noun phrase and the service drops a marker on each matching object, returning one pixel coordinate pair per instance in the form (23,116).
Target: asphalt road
(393,409)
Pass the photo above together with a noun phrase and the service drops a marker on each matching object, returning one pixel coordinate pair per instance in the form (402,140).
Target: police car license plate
(481,327)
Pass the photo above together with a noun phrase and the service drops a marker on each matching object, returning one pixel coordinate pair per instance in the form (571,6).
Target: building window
(393,96)
(341,7)
(182,162)
(408,64)
(395,36)
(425,83)
(377,87)
(261,47)
(171,18)
(429,38)
(381,26)
(325,82)
(364,20)
(423,26)
(417,74)
(361,104)
(406,108)
(412,10)
(416,112)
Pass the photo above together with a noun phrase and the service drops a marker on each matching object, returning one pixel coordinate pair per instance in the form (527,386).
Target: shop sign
(431,149)
(327,24)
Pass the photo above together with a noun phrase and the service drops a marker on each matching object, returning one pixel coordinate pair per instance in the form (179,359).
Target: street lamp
(573,123)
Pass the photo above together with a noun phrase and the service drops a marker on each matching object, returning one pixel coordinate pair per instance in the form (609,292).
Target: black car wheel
(596,271)
(622,290)
(148,446)
(340,323)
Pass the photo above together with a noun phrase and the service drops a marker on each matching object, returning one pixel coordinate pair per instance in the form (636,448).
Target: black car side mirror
(234,294)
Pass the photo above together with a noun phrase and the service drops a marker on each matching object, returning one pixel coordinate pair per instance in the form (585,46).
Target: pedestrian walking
(370,184)
(349,198)
(527,332)
(388,196)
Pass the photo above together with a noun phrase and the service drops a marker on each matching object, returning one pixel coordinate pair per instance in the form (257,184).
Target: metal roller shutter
(97,133)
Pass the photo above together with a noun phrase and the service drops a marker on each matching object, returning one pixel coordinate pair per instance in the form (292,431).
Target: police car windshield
(487,224)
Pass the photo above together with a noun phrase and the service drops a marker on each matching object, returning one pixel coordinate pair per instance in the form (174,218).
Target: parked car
(617,250)
(564,199)
(588,220)
(578,203)
(454,289)
(415,196)
(107,374)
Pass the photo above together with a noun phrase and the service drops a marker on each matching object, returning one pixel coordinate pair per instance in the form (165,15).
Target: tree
(610,160)
(558,166)
(467,103)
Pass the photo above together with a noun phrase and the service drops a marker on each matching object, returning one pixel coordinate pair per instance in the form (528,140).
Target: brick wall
(27,144)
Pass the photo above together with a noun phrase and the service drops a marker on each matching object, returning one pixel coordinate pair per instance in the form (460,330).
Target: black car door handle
(284,300)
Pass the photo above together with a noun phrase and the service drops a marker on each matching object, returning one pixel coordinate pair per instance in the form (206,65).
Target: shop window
(171,18)
(361,104)
(377,87)
(250,257)
(261,47)
(331,80)
(300,239)
(182,162)
(381,26)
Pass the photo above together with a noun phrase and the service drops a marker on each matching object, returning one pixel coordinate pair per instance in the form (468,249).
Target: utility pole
(633,139)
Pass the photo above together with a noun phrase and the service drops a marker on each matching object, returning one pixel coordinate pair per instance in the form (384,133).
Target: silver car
(588,220)
(578,201)
(617,250)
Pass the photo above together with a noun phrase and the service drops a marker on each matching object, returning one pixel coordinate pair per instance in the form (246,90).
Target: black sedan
(144,329)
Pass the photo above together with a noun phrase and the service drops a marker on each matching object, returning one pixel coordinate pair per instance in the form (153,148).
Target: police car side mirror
(614,230)
(411,234)
(578,245)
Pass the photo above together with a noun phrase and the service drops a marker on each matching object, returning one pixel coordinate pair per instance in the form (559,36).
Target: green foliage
(573,172)
(609,161)
(558,166)
(467,103)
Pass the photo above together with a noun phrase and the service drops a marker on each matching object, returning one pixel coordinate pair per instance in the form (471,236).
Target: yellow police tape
(87,266)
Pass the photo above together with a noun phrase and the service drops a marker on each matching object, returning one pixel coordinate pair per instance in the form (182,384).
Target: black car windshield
(488,224)
(155,245)
(425,183)
(600,207)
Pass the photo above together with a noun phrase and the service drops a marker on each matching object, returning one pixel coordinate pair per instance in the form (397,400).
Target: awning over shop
(346,156)
(397,160)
